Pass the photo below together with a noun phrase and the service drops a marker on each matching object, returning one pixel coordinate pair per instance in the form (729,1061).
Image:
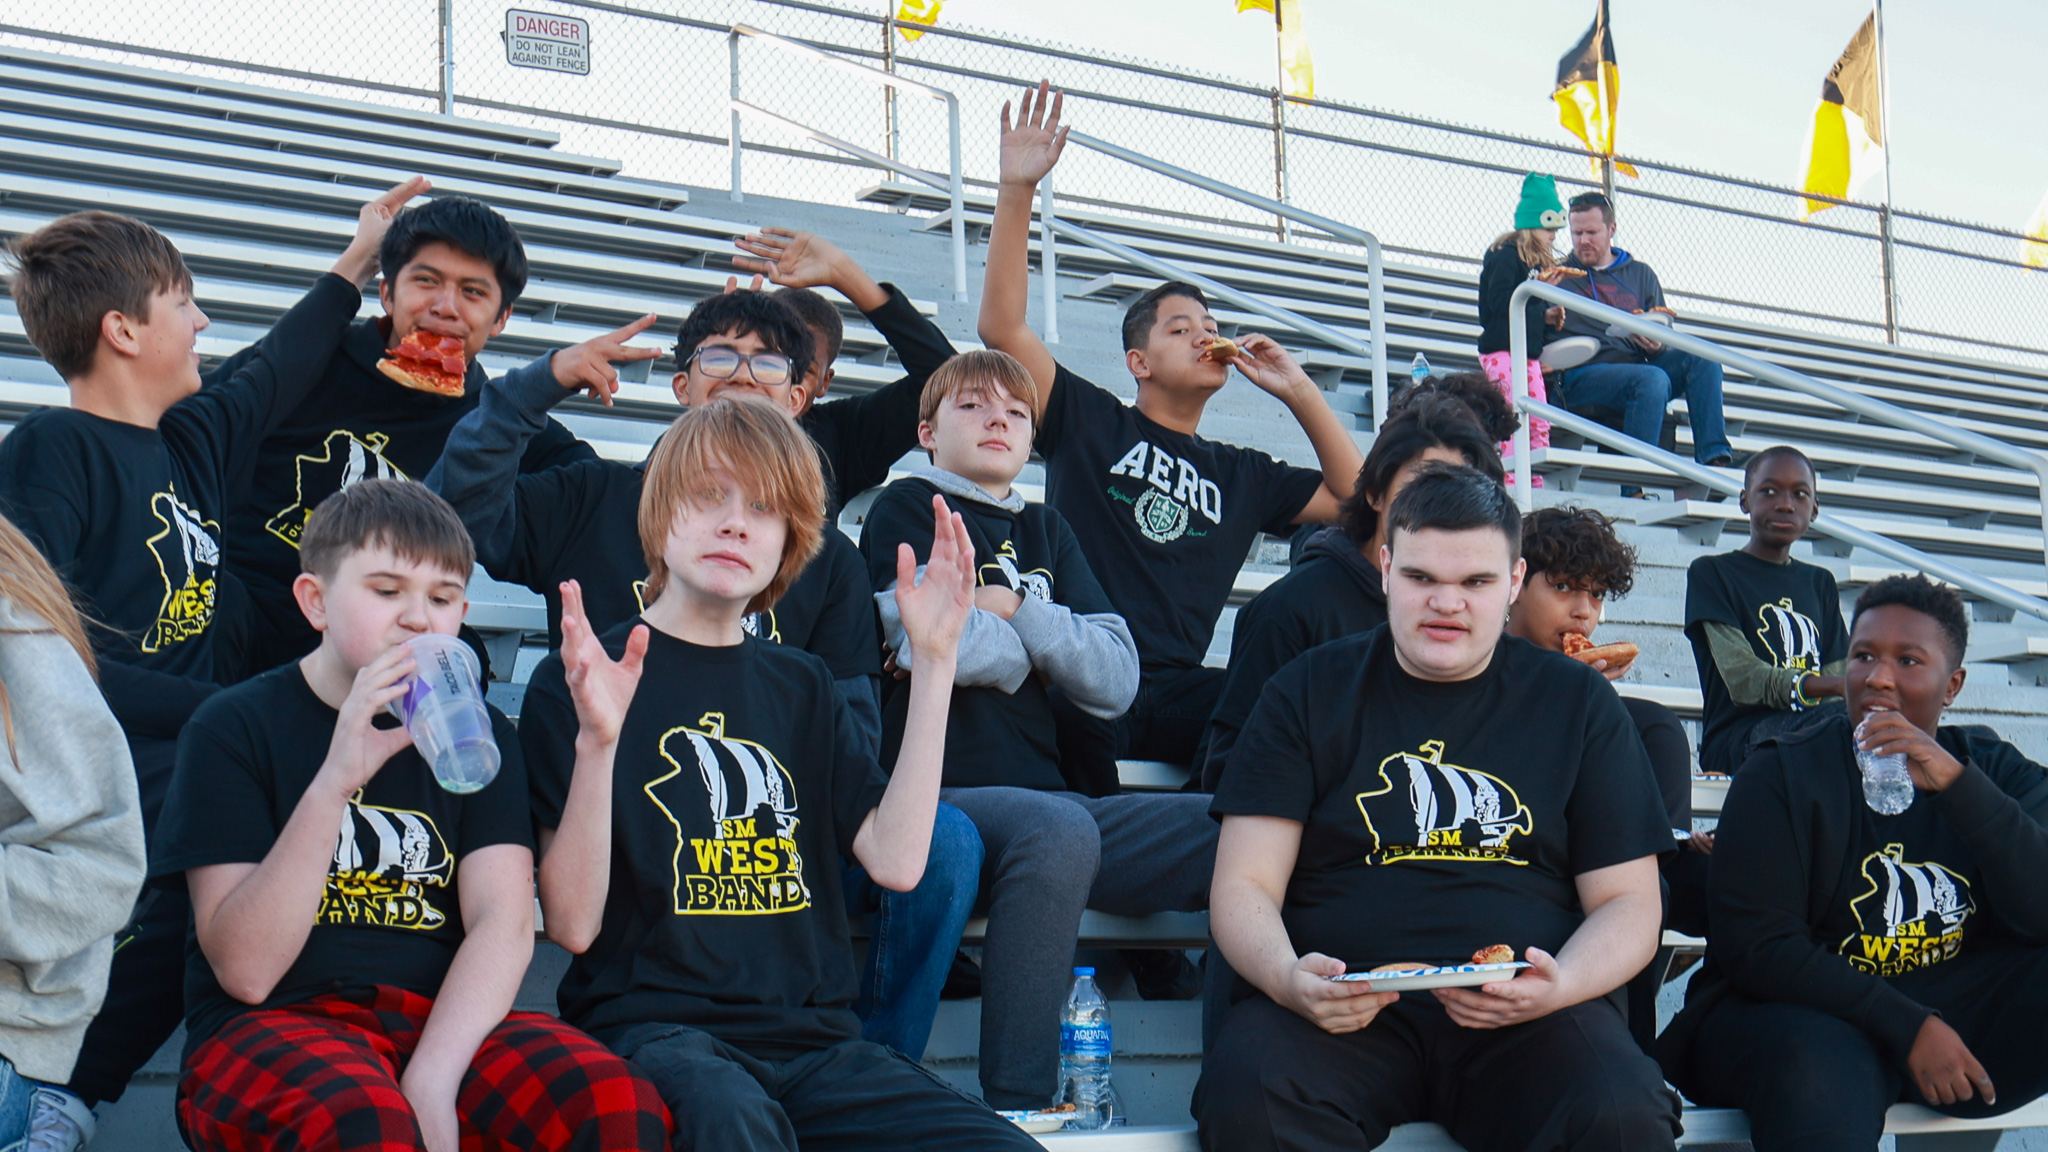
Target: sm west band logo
(1450,812)
(342,460)
(386,862)
(1911,916)
(187,552)
(1175,493)
(1790,636)
(734,809)
(1004,573)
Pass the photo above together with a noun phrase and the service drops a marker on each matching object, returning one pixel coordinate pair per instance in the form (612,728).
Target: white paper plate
(1038,1121)
(1568,352)
(1419,979)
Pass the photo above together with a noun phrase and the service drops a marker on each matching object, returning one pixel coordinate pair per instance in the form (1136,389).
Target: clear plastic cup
(443,708)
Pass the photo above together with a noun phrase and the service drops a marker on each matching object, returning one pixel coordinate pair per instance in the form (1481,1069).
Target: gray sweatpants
(1049,856)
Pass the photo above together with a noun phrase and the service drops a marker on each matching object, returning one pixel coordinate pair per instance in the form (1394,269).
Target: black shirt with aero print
(389,914)
(1791,614)
(1166,519)
(131,517)
(357,424)
(1441,818)
(739,783)
(1818,900)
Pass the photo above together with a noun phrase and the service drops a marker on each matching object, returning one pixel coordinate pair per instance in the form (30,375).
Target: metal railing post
(1518,383)
(958,190)
(1280,160)
(1376,321)
(1048,260)
(447,62)
(733,139)
(1887,258)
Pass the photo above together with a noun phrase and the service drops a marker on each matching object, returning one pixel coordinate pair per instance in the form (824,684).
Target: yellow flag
(1588,91)
(925,12)
(2034,252)
(1296,66)
(1845,146)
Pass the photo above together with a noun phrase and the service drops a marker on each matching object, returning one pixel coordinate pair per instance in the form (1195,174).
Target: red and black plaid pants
(323,1076)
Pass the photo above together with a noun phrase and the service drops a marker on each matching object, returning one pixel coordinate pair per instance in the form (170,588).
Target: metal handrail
(1877,410)
(1825,524)
(955,185)
(1375,263)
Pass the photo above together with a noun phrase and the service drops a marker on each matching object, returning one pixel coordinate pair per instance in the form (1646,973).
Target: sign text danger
(544,40)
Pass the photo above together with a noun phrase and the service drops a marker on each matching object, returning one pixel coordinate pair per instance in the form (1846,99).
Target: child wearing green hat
(1513,257)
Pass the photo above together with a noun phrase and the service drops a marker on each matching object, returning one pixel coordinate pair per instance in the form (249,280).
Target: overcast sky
(1724,85)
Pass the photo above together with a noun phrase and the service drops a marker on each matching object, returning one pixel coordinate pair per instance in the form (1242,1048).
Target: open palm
(790,259)
(1033,145)
(935,609)
(601,687)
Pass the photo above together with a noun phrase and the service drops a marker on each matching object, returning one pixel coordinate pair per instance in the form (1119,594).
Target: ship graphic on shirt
(1003,572)
(761,624)
(1445,812)
(734,810)
(1175,492)
(388,865)
(1910,917)
(1790,636)
(343,459)
(187,552)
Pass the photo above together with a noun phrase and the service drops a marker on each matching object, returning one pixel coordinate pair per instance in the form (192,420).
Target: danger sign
(544,40)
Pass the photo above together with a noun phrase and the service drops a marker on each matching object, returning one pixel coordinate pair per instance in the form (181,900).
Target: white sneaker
(60,1122)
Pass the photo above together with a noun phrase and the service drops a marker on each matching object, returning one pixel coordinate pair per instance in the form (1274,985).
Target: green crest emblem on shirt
(1160,517)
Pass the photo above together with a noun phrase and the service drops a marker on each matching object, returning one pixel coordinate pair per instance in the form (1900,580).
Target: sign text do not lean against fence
(547,41)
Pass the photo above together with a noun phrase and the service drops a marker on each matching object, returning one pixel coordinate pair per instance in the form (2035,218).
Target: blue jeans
(916,934)
(1640,392)
(17,1104)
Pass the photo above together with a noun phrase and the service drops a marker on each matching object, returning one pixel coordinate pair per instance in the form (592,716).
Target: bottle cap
(1084,971)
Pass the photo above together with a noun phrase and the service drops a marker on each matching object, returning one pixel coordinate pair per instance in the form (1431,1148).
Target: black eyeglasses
(720,362)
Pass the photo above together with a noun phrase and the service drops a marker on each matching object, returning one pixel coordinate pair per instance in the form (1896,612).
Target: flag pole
(1279,117)
(1884,212)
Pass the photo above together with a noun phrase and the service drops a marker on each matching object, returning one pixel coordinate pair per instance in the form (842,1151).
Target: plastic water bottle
(1418,368)
(1084,1055)
(1887,786)
(443,707)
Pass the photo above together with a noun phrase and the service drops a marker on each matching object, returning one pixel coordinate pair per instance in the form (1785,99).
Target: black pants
(853,1095)
(1815,1082)
(1166,721)
(146,985)
(1571,1080)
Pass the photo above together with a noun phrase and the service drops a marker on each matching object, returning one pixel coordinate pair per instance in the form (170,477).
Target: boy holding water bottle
(1865,954)
(356,989)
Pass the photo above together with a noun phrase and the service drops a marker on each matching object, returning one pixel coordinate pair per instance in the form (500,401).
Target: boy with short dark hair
(354,992)
(124,492)
(1860,959)
(1407,797)
(452,268)
(695,787)
(1766,630)
(1164,516)
(1041,623)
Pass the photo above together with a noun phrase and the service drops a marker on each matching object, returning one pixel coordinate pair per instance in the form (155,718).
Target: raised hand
(588,366)
(358,262)
(732,285)
(601,687)
(790,259)
(935,610)
(1033,146)
(359,748)
(1265,363)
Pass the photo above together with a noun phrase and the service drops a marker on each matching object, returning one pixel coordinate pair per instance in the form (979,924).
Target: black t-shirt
(1442,818)
(992,736)
(862,436)
(582,522)
(357,424)
(389,914)
(1500,274)
(1790,613)
(1333,591)
(131,517)
(740,780)
(1166,519)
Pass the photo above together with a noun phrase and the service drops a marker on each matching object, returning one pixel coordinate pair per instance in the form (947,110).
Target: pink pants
(1497,366)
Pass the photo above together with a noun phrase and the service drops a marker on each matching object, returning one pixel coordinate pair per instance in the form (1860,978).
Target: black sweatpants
(854,1095)
(1166,721)
(1571,1080)
(1815,1082)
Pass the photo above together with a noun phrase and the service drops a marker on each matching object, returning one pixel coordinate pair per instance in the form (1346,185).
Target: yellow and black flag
(925,12)
(1846,145)
(1588,90)
(1298,70)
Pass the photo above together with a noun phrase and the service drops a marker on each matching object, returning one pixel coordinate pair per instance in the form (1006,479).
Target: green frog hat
(1539,206)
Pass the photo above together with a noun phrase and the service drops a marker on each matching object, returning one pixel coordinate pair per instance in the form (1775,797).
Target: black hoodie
(1333,592)
(1819,901)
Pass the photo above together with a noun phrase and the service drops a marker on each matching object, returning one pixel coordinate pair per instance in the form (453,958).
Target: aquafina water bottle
(1419,369)
(1887,786)
(1084,1055)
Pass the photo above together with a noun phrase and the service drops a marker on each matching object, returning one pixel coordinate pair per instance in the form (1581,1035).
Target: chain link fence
(656,99)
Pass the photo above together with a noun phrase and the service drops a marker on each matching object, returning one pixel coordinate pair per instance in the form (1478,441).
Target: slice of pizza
(427,362)
(1619,654)
(1498,954)
(1220,351)
(1576,642)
